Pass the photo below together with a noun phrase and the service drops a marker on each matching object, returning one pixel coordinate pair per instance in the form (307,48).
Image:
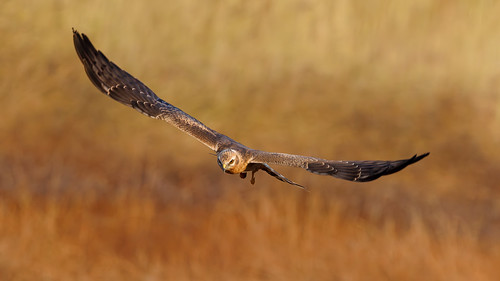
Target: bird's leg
(252,180)
(243,175)
(254,167)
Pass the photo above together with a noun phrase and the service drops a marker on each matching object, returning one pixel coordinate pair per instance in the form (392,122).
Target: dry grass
(90,190)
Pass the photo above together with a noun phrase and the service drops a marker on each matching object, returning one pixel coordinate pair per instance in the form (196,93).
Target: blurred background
(92,190)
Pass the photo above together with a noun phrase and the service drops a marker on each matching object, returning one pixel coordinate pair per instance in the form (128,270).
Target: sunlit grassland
(89,189)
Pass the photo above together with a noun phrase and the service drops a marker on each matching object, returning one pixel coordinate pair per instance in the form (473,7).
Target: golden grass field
(91,190)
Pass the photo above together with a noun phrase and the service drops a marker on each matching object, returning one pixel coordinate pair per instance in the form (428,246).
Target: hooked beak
(224,169)
(222,166)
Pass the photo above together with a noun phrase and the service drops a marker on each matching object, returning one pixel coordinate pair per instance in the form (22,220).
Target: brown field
(91,190)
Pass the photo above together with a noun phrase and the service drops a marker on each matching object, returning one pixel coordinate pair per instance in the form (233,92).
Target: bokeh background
(91,190)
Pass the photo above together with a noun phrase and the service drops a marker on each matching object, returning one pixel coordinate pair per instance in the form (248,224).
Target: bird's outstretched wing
(360,171)
(124,88)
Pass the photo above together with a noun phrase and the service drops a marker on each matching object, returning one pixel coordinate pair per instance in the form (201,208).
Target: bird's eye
(231,162)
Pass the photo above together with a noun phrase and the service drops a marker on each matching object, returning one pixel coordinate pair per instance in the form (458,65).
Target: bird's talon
(243,175)
(252,181)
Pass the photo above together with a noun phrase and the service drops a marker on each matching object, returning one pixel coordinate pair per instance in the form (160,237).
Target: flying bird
(232,156)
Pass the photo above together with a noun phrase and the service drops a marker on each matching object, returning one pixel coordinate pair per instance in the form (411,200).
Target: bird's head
(231,161)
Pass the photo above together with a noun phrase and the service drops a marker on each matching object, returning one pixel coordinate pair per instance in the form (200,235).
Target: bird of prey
(232,156)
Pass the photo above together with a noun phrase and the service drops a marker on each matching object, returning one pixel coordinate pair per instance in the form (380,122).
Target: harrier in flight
(233,157)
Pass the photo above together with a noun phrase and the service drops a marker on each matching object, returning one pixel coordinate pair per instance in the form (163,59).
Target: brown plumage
(233,157)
